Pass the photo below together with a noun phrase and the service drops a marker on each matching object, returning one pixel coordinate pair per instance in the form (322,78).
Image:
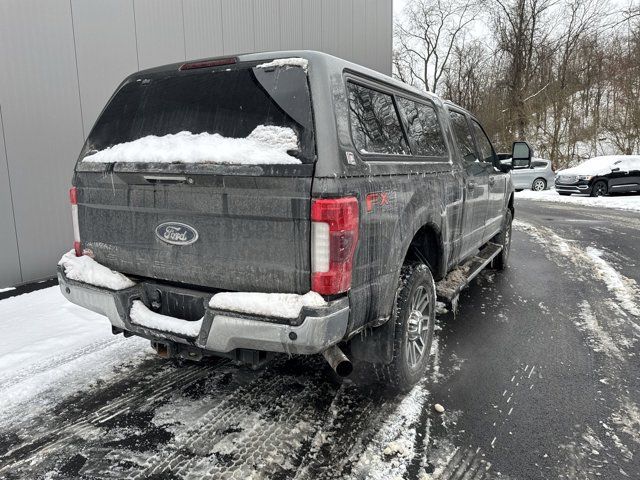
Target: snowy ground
(538,373)
(620,202)
(77,401)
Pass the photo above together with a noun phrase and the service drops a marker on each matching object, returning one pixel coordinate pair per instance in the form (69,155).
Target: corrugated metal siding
(266,20)
(105,34)
(291,26)
(238,26)
(64,58)
(42,124)
(9,264)
(203,28)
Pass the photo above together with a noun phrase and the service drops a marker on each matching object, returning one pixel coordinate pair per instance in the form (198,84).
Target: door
(625,175)
(476,191)
(497,183)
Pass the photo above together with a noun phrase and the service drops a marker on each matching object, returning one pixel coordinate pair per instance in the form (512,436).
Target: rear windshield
(198,116)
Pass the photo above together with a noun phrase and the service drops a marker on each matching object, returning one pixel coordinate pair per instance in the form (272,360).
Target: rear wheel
(539,184)
(414,317)
(599,189)
(503,239)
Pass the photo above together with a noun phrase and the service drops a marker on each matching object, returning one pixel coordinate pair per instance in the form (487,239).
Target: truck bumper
(221,332)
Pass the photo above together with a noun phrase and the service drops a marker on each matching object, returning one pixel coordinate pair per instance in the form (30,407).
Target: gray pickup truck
(284,202)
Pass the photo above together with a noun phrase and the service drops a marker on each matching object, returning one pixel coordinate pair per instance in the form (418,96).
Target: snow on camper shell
(264,145)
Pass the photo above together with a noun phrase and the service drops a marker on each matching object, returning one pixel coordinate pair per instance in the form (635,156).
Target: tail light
(73,196)
(334,235)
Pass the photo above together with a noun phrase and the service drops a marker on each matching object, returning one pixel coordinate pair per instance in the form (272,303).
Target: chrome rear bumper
(222,331)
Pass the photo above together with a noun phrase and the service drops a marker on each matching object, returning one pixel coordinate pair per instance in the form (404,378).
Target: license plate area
(176,302)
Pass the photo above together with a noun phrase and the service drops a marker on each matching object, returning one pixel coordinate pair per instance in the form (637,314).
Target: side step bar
(448,289)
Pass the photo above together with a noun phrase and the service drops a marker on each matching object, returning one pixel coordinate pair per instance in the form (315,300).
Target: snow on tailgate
(86,269)
(284,305)
(141,315)
(265,145)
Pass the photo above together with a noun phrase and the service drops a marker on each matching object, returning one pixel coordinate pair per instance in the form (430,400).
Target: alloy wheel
(417,327)
(538,185)
(600,189)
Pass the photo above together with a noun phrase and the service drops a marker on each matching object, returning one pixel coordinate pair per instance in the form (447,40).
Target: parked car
(600,176)
(284,202)
(539,176)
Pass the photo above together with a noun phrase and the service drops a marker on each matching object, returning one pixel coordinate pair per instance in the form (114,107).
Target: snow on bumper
(316,329)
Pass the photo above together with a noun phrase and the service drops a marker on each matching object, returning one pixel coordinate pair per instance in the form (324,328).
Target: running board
(448,289)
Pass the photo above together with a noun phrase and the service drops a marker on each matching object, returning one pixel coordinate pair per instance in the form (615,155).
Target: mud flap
(374,345)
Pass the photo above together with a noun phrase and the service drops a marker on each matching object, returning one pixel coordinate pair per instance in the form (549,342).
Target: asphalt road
(538,372)
(549,380)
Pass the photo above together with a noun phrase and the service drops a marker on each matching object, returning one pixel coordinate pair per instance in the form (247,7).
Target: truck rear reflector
(334,236)
(73,197)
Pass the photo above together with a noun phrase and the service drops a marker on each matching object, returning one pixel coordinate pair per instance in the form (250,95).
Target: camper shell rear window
(205,107)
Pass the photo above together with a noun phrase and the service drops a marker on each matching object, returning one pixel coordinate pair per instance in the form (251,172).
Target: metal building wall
(62,59)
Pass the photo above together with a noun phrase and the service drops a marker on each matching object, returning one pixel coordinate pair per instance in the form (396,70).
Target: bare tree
(426,36)
(562,74)
(520,29)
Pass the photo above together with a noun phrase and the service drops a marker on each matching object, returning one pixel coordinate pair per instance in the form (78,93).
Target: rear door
(476,193)
(205,179)
(625,175)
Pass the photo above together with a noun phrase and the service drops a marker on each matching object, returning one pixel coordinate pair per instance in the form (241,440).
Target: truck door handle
(471,184)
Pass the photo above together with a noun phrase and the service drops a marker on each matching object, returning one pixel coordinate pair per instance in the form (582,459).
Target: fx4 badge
(176,233)
(380,200)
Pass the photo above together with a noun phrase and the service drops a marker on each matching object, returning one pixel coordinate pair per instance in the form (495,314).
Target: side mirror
(521,154)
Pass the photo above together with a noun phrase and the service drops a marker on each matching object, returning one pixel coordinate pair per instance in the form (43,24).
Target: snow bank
(627,202)
(284,305)
(286,62)
(141,315)
(86,269)
(603,165)
(265,145)
(625,289)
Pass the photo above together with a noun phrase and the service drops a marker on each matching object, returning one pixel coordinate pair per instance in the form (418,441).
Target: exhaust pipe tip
(344,369)
(338,361)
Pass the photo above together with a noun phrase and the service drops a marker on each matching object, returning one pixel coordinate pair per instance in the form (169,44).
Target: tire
(564,194)
(599,189)
(539,184)
(414,316)
(504,239)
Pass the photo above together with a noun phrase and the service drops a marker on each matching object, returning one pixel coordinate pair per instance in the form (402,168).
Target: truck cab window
(484,144)
(462,132)
(375,125)
(423,128)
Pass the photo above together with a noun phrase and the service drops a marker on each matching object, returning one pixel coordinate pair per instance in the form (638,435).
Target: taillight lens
(334,235)
(73,197)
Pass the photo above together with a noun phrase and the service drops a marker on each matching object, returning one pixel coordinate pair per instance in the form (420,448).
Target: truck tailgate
(253,232)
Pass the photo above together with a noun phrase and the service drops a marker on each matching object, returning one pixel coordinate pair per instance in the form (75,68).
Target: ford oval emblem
(176,233)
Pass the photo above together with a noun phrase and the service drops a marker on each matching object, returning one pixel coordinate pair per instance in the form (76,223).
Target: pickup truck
(284,202)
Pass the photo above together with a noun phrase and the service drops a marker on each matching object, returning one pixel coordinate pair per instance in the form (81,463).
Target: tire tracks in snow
(55,362)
